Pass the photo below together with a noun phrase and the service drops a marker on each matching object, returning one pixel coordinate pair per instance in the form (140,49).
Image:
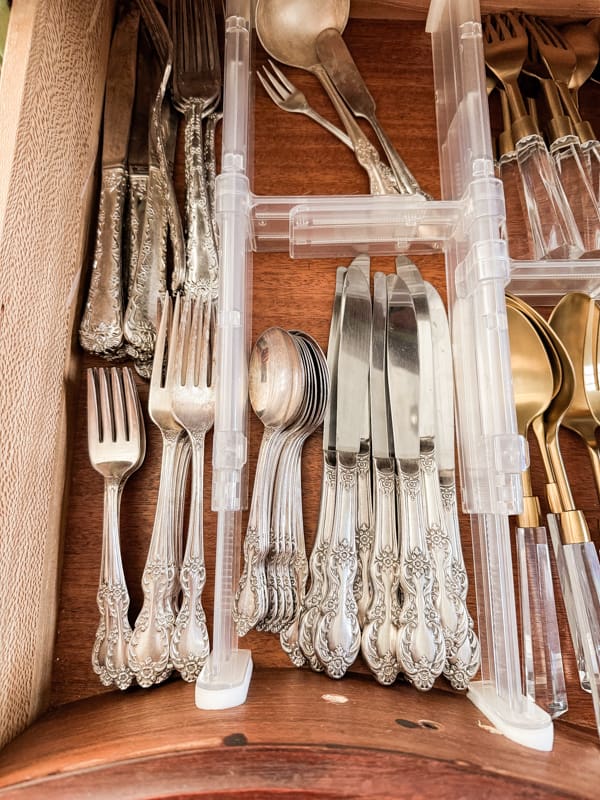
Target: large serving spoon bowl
(288,29)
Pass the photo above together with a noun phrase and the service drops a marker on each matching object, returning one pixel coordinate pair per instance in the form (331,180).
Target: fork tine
(269,90)
(194,343)
(184,353)
(279,87)
(282,76)
(175,354)
(134,410)
(120,422)
(156,378)
(106,414)
(205,343)
(93,419)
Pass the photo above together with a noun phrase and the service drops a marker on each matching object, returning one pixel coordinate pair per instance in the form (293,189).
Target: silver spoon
(276,390)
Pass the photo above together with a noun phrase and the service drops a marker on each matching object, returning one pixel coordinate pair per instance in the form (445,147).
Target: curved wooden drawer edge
(299,734)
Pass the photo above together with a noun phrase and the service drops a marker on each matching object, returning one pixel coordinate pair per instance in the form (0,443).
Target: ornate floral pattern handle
(101,328)
(420,648)
(315,597)
(364,535)
(337,639)
(380,632)
(109,653)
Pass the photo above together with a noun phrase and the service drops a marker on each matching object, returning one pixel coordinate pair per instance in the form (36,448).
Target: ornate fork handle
(315,597)
(190,644)
(420,648)
(109,653)
(101,328)
(149,647)
(463,662)
(380,632)
(202,258)
(337,640)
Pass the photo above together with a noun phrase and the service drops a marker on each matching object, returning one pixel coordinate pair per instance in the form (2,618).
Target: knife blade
(380,632)
(341,68)
(101,328)
(315,596)
(337,640)
(420,648)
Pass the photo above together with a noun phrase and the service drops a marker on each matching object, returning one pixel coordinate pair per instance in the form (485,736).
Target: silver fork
(117,446)
(289,98)
(196,92)
(189,378)
(149,648)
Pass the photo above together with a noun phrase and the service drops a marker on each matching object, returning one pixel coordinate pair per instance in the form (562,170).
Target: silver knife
(315,596)
(337,639)
(462,662)
(451,608)
(364,511)
(101,328)
(420,648)
(380,632)
(345,75)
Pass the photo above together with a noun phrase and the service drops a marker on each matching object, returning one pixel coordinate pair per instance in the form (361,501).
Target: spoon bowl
(288,29)
(276,379)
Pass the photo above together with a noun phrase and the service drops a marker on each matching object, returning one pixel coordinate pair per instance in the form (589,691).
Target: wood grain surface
(292,155)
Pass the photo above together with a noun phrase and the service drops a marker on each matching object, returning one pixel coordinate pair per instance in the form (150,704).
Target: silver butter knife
(446,590)
(101,328)
(380,632)
(463,658)
(315,596)
(420,647)
(338,632)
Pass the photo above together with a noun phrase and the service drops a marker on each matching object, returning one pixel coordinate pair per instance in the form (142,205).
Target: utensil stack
(386,571)
(548,156)
(140,251)
(555,373)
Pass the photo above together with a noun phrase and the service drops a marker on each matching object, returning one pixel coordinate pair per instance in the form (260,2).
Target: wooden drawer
(298,732)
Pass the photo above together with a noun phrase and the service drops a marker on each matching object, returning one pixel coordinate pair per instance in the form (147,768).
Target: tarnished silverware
(196,91)
(341,68)
(149,647)
(311,609)
(420,647)
(117,446)
(190,378)
(337,640)
(101,328)
(380,632)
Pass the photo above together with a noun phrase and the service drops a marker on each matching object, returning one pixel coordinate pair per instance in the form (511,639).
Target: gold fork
(117,446)
(553,228)
(190,380)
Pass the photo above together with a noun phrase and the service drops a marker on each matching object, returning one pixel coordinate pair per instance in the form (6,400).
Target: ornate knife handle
(101,328)
(338,633)
(149,647)
(109,653)
(150,279)
(210,163)
(190,644)
(463,662)
(380,632)
(251,600)
(136,209)
(315,597)
(202,258)
(364,535)
(420,648)
(446,594)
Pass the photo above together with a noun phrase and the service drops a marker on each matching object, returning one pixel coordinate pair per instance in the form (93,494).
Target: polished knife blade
(412,277)
(120,88)
(353,362)
(443,377)
(381,431)
(333,347)
(403,369)
(146,87)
